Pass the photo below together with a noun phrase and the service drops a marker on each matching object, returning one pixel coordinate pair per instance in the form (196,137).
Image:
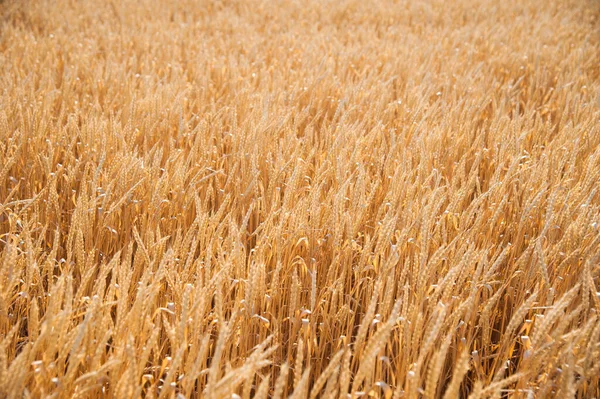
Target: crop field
(299,199)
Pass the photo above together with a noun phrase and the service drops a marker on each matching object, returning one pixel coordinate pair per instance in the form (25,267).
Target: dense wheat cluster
(315,199)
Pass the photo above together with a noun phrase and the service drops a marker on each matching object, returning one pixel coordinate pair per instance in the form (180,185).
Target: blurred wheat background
(315,199)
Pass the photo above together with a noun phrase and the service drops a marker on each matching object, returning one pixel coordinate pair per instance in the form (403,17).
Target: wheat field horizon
(300,199)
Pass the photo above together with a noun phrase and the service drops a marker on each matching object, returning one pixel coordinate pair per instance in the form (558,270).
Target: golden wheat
(239,199)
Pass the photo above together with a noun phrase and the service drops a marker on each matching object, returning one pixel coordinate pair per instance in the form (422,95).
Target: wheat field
(305,199)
